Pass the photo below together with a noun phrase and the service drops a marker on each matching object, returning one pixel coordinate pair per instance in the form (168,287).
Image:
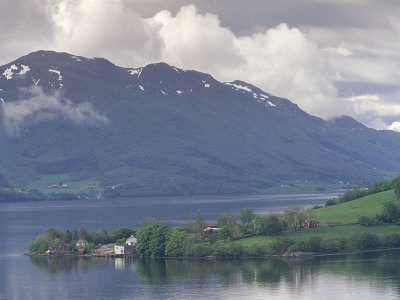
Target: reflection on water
(377,274)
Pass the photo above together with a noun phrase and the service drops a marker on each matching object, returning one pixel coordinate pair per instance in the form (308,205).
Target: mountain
(161,130)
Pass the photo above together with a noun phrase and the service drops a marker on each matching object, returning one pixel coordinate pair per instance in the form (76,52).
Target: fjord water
(368,275)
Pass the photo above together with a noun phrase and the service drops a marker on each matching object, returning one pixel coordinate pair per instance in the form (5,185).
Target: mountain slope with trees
(160,130)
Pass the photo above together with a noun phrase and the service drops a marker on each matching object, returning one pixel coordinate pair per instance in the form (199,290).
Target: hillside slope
(350,212)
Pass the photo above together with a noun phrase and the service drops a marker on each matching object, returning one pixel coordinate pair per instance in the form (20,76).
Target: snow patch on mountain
(2,100)
(164,93)
(206,85)
(35,81)
(135,72)
(76,58)
(270,103)
(179,92)
(8,73)
(238,87)
(141,87)
(24,70)
(57,72)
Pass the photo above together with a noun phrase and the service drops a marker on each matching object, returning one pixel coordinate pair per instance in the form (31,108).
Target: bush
(279,246)
(175,243)
(151,240)
(390,213)
(313,244)
(333,245)
(220,250)
(40,245)
(367,221)
(200,250)
(235,250)
(331,202)
(256,250)
(392,240)
(317,206)
(366,241)
(268,225)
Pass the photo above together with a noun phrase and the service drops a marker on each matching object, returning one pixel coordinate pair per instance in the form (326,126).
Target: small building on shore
(123,250)
(131,241)
(81,243)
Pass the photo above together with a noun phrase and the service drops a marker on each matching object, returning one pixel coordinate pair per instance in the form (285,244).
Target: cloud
(304,58)
(395,126)
(102,29)
(281,60)
(40,107)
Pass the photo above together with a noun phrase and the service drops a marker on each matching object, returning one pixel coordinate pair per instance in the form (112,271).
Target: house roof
(131,239)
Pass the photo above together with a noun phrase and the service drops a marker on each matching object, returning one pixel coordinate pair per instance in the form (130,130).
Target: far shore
(294,255)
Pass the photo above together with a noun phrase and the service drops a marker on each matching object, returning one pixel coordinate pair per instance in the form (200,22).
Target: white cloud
(395,126)
(280,60)
(339,51)
(39,107)
(102,29)
(300,63)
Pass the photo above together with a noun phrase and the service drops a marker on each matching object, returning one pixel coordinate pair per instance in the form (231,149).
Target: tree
(268,225)
(390,213)
(295,216)
(247,216)
(121,233)
(83,234)
(40,245)
(230,221)
(100,237)
(396,185)
(175,243)
(151,240)
(199,225)
(66,236)
(75,235)
(223,233)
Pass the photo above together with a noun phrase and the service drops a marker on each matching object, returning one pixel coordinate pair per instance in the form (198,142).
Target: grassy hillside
(330,232)
(344,215)
(349,212)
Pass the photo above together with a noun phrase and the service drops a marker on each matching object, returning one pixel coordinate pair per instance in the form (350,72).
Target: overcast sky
(331,57)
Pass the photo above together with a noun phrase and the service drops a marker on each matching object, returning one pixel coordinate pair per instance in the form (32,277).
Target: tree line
(378,187)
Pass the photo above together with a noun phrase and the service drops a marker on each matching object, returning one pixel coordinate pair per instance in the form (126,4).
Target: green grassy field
(328,232)
(345,214)
(47,184)
(349,212)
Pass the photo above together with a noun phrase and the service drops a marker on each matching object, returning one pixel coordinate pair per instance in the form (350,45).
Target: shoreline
(294,255)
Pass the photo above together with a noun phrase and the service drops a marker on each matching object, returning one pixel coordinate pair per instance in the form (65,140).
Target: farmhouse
(131,241)
(81,243)
(211,228)
(310,223)
(123,250)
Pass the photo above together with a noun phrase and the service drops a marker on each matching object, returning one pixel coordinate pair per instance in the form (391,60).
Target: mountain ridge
(161,130)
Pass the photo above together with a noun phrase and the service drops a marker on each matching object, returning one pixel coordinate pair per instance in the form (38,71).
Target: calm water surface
(365,276)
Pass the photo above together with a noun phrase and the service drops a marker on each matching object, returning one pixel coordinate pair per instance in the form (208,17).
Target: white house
(131,241)
(81,243)
(123,250)
(119,250)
